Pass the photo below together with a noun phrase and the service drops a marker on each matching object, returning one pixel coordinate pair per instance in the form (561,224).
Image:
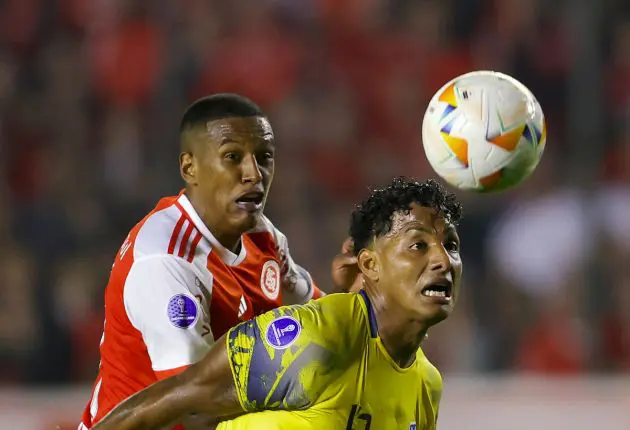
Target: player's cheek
(458,269)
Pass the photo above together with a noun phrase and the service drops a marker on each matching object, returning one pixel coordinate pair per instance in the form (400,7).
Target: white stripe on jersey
(94,402)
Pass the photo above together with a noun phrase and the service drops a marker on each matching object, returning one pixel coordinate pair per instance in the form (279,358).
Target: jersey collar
(227,256)
(370,311)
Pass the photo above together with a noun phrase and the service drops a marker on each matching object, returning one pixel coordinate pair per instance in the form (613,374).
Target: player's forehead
(421,218)
(240,130)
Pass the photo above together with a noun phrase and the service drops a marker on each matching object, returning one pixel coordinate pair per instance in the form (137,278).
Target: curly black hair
(373,217)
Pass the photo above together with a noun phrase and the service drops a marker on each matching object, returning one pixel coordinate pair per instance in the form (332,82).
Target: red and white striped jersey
(174,288)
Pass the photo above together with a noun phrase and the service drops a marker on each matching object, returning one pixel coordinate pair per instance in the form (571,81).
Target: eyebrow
(266,138)
(227,140)
(448,230)
(416,227)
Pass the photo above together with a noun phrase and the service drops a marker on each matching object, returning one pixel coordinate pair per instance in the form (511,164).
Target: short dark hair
(373,217)
(218,106)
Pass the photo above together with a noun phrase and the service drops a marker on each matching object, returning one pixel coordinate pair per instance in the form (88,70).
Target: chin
(247,221)
(434,314)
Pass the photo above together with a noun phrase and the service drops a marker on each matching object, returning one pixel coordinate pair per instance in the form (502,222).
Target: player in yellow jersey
(346,361)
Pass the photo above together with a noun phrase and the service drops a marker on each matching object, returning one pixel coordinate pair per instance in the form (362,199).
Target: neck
(230,240)
(401,335)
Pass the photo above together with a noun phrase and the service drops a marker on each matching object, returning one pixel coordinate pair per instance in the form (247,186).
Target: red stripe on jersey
(184,243)
(178,227)
(193,247)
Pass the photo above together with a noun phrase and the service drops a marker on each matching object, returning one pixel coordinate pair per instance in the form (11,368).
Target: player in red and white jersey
(202,261)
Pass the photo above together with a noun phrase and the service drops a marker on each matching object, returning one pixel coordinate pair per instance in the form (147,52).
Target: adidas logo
(242,307)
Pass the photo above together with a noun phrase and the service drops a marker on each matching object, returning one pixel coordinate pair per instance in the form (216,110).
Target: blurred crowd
(91,93)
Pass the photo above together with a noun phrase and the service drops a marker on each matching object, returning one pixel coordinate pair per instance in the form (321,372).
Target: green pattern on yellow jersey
(323,366)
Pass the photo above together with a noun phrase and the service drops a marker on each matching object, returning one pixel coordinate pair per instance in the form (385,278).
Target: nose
(439,260)
(250,170)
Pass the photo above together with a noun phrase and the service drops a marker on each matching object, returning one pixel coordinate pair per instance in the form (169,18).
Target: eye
(231,156)
(452,246)
(266,157)
(419,245)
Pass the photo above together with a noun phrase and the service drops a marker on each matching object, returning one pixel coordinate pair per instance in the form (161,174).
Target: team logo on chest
(270,279)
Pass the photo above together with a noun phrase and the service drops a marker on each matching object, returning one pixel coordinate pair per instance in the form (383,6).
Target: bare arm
(206,387)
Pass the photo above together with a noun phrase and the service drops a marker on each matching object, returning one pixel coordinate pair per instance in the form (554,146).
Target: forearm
(160,404)
(205,388)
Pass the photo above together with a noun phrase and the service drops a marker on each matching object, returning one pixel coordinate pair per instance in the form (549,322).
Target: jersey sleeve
(297,284)
(162,300)
(286,358)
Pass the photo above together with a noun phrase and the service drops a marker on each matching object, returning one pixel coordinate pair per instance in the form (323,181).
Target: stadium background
(90,97)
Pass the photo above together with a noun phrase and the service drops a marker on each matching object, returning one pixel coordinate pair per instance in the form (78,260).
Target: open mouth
(441,289)
(251,201)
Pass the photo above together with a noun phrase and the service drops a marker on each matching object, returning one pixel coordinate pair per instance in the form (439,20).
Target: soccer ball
(484,131)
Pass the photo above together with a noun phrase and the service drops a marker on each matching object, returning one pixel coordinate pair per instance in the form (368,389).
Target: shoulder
(161,276)
(430,374)
(334,320)
(337,320)
(160,267)
(145,251)
(164,231)
(287,357)
(342,309)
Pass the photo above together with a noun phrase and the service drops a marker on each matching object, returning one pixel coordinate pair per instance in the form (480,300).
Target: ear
(188,168)
(369,264)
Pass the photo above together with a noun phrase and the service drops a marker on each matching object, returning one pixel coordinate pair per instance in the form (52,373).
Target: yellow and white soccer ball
(484,131)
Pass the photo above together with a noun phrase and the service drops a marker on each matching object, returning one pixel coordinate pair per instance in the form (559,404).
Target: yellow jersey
(322,365)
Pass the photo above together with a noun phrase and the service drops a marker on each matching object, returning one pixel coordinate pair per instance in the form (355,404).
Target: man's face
(233,167)
(418,264)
